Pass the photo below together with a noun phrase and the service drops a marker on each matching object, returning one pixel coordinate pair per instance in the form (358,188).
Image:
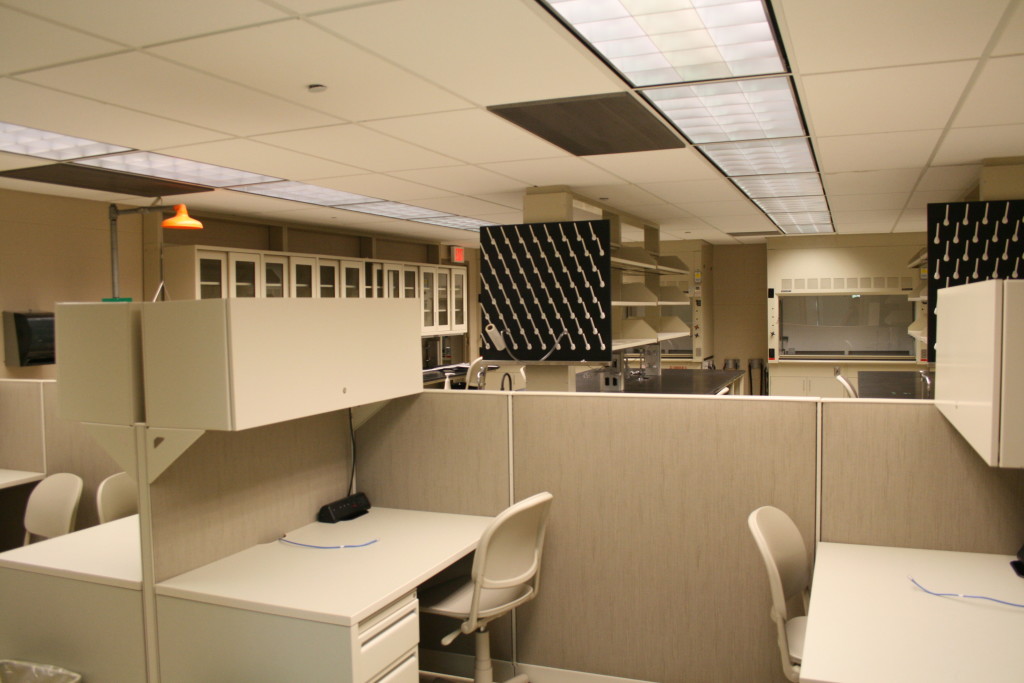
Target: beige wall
(740,312)
(58,249)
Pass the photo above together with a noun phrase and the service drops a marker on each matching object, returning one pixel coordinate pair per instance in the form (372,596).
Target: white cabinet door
(211,275)
(275,276)
(327,278)
(458,300)
(428,288)
(352,279)
(304,282)
(244,275)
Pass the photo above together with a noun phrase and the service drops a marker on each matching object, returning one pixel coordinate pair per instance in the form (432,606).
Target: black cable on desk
(352,440)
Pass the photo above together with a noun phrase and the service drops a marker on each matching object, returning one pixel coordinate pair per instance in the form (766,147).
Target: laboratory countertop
(344,573)
(107,554)
(674,382)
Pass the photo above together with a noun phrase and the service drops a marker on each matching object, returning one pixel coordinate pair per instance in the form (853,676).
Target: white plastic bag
(12,671)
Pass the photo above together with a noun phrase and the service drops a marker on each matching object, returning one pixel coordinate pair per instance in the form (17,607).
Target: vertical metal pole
(114,275)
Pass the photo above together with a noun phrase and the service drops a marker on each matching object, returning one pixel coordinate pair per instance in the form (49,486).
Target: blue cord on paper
(958,595)
(327,547)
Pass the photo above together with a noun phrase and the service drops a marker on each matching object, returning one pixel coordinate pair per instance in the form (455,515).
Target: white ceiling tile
(921,200)
(884,100)
(957,178)
(655,166)
(510,200)
(682,192)
(312,6)
(468,180)
(620,195)
(867,202)
(867,182)
(30,43)
(974,145)
(752,223)
(258,157)
(475,136)
(566,170)
(65,191)
(848,228)
(912,220)
(38,107)
(838,36)
(384,187)
(876,151)
(10,161)
(997,97)
(847,221)
(148,84)
(1012,40)
(360,86)
(461,206)
(713,210)
(144,22)
(358,146)
(493,52)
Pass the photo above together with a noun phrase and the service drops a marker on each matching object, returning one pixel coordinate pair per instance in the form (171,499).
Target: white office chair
(505,574)
(785,557)
(117,497)
(52,506)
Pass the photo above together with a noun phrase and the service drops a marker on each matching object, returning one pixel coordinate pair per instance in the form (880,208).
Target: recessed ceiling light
(303,192)
(173,168)
(748,109)
(394,210)
(762,157)
(783,185)
(46,145)
(774,205)
(460,222)
(654,42)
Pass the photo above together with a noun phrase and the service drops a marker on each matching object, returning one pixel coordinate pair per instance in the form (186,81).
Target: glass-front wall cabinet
(214,272)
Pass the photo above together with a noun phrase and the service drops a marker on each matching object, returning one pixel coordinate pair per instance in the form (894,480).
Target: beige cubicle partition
(650,571)
(898,473)
(231,490)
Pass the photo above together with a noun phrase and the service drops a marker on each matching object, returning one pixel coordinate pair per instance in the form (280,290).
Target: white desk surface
(868,623)
(9,478)
(335,586)
(108,554)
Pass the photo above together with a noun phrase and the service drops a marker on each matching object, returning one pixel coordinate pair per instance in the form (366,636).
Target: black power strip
(348,507)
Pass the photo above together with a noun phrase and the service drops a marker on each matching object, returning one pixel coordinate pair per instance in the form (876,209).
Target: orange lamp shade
(181,220)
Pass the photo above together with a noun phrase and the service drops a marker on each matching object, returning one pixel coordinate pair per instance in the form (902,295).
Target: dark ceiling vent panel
(594,124)
(102,179)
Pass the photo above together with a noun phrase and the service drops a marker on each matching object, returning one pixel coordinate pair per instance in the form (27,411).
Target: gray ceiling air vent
(594,124)
(102,179)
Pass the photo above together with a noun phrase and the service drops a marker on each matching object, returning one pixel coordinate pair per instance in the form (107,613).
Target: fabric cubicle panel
(70,448)
(232,490)
(897,473)
(441,451)
(650,571)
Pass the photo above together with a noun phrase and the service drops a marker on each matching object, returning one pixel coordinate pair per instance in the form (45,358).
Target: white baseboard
(462,665)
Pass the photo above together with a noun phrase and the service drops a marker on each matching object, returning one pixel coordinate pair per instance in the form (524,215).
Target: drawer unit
(203,641)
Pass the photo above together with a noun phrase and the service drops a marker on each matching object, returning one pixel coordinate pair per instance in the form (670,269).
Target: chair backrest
(52,506)
(785,557)
(510,549)
(117,497)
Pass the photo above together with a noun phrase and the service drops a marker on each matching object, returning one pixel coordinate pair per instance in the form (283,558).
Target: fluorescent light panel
(173,168)
(303,192)
(46,145)
(783,185)
(809,229)
(762,157)
(774,205)
(748,109)
(460,222)
(394,210)
(654,42)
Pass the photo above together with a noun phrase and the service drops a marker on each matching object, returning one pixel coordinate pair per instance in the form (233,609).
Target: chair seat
(453,598)
(795,630)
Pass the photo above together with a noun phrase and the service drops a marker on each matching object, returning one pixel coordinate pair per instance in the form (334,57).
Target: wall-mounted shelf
(634,332)
(634,258)
(672,265)
(671,327)
(672,295)
(635,294)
